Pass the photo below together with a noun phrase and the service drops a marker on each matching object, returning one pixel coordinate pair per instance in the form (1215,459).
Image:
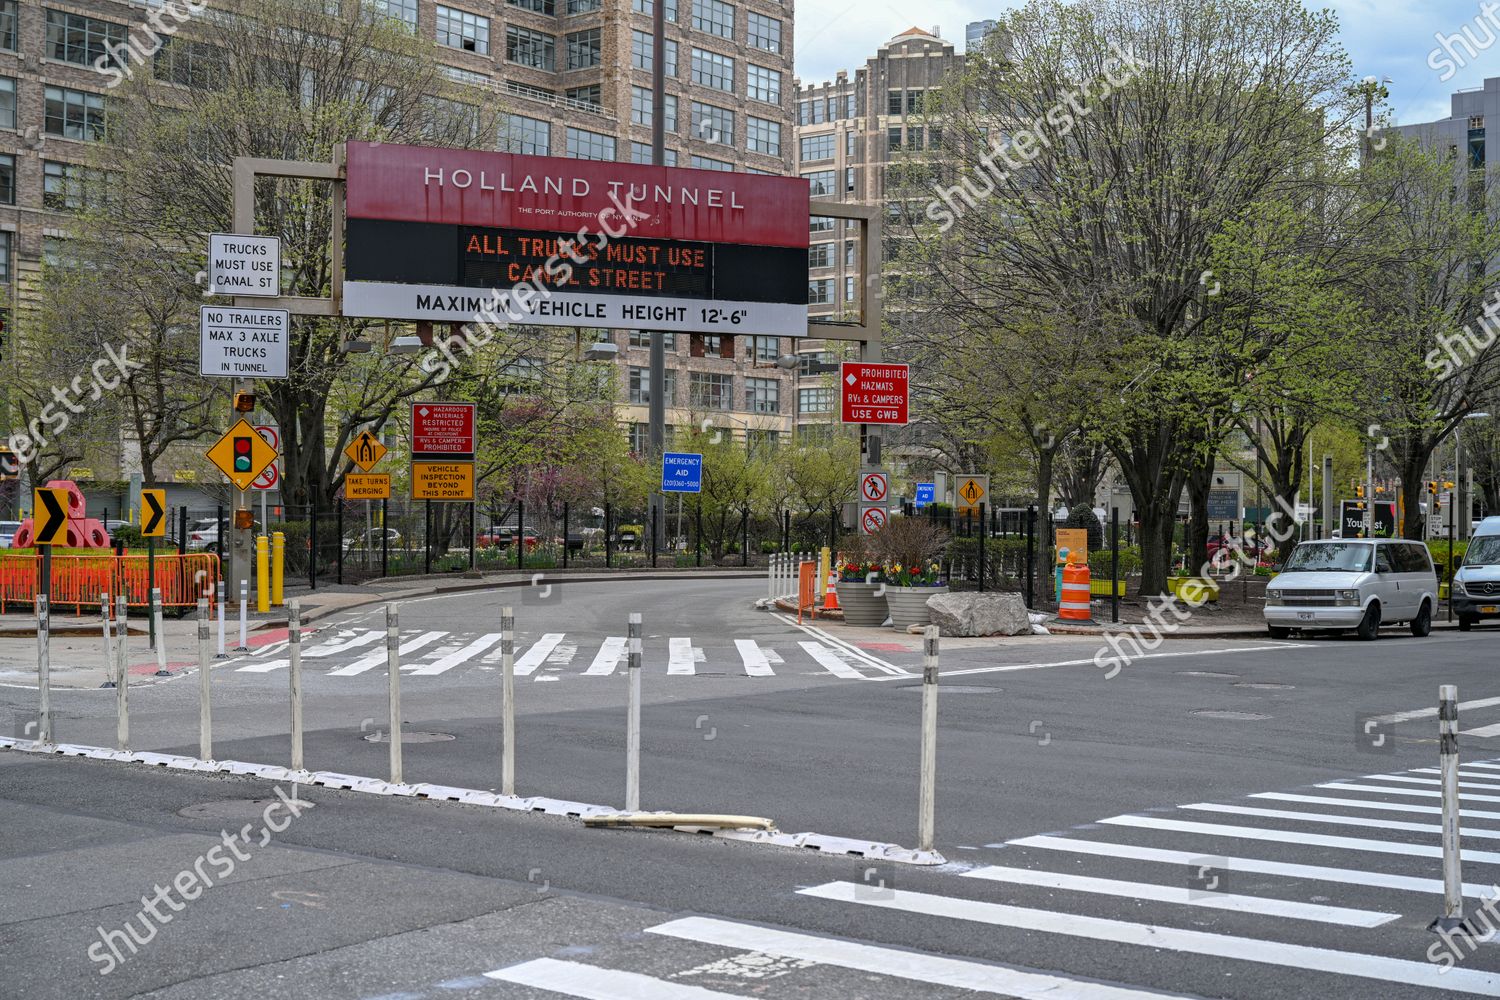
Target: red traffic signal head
(243,448)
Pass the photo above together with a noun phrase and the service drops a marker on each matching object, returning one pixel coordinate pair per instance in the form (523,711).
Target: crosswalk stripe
(378,658)
(1329,800)
(344,645)
(1334,819)
(592,983)
(1403,779)
(1181,895)
(757,664)
(935,970)
(1347,876)
(1296,956)
(1428,713)
(463,655)
(1423,792)
(1487,765)
(608,658)
(831,661)
(1483,732)
(1297,837)
(262,666)
(680,656)
(537,655)
(270,648)
(1463,772)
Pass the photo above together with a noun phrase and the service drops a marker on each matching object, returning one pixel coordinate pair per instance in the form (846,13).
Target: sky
(1384,38)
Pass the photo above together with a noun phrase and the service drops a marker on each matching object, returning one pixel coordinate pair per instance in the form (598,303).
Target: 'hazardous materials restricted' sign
(874,393)
(243,343)
(443,430)
(448,481)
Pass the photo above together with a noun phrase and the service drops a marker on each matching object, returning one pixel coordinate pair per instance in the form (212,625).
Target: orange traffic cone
(831,598)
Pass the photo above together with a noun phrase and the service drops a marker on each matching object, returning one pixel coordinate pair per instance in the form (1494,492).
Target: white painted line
(1380,823)
(458,656)
(1293,956)
(831,661)
(680,656)
(1428,713)
(1425,793)
(836,642)
(344,645)
(1484,764)
(1183,896)
(379,657)
(534,657)
(981,977)
(591,983)
(271,648)
(262,666)
(1477,786)
(611,652)
(1297,837)
(1347,876)
(1483,732)
(1329,800)
(1091,662)
(1463,773)
(757,664)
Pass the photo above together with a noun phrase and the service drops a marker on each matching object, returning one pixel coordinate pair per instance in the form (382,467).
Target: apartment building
(574,77)
(1464,136)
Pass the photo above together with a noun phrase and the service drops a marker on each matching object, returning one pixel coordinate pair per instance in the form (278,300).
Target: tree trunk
(1199,482)
(1413,488)
(1042,565)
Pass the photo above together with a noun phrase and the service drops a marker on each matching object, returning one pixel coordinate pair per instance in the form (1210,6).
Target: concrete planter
(908,605)
(863,604)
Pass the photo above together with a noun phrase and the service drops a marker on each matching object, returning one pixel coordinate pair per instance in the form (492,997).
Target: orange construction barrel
(1076,596)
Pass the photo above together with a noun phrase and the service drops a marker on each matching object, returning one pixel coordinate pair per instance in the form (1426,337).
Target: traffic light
(242,451)
(244,402)
(1359,491)
(1432,486)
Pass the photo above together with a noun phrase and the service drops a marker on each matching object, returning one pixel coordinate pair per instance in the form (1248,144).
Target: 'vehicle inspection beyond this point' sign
(681,473)
(244,265)
(243,343)
(873,392)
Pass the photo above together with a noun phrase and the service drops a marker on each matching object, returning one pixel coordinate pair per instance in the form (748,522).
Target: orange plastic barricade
(807,590)
(1076,599)
(80,579)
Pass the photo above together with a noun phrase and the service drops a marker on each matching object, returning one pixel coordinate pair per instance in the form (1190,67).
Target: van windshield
(1483,551)
(1330,557)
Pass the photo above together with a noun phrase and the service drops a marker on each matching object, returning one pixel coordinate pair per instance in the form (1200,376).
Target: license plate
(1307,616)
(1488,609)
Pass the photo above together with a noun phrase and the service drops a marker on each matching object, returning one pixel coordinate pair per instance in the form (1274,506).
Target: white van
(1348,584)
(1476,583)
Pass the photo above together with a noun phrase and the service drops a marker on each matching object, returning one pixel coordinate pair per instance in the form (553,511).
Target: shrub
(129,534)
(1100,562)
(1081,515)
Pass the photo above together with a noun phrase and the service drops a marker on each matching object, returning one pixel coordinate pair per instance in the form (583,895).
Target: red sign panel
(874,393)
(556,195)
(443,430)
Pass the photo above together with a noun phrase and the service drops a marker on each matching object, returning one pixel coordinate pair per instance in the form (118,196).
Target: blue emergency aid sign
(681,473)
(926,494)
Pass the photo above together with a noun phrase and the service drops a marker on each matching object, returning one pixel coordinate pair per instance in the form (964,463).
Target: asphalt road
(1169,829)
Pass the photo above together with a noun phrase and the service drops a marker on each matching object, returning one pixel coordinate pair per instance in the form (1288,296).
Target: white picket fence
(782,574)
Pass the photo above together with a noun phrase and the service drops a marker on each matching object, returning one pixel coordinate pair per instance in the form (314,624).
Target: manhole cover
(410,737)
(1231,716)
(228,809)
(1205,673)
(953,688)
(1253,686)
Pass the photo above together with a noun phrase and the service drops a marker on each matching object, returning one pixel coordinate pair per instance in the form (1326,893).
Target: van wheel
(1422,624)
(1279,631)
(1369,625)
(1466,622)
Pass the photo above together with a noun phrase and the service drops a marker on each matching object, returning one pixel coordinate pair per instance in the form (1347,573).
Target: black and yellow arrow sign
(49,516)
(153,513)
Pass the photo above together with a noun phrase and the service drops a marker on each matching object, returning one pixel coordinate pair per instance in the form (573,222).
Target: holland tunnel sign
(432,233)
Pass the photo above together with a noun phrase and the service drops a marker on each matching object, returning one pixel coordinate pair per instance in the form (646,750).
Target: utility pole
(657,402)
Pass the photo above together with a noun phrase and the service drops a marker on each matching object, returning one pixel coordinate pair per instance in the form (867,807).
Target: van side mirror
(1383,565)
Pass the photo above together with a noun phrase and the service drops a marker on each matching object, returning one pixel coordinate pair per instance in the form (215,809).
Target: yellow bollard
(825,562)
(278,566)
(262,574)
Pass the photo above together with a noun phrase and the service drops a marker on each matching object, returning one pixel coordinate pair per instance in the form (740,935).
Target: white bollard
(219,594)
(109,645)
(393,662)
(508,701)
(633,720)
(44,668)
(122,674)
(205,719)
(294,672)
(928,796)
(161,637)
(244,646)
(1453,898)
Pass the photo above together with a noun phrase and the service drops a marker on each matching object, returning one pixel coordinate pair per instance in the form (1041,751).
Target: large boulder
(971,614)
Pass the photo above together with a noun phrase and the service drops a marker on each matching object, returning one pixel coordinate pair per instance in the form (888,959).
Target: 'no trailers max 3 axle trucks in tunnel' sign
(433,232)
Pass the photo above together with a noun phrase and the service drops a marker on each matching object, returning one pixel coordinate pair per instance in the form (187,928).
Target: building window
(548,7)
(714,17)
(849,257)
(767,349)
(710,391)
(914,102)
(459,29)
(914,137)
(713,70)
(584,6)
(530,48)
(640,438)
(849,180)
(195,65)
(763,84)
(4,256)
(591,95)
(850,138)
(820,255)
(820,224)
(640,152)
(401,10)
(762,395)
(7,102)
(640,338)
(763,136)
(62,186)
(641,111)
(817,147)
(583,49)
(7,180)
(893,138)
(815,400)
(713,345)
(649,7)
(760,440)
(642,52)
(82,40)
(709,163)
(764,32)
(820,292)
(811,112)
(713,124)
(849,289)
(639,386)
(586,145)
(72,114)
(526,135)
(821,183)
(894,100)
(8,24)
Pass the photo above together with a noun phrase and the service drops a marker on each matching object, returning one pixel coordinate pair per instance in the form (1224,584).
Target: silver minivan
(1344,584)
(1476,583)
